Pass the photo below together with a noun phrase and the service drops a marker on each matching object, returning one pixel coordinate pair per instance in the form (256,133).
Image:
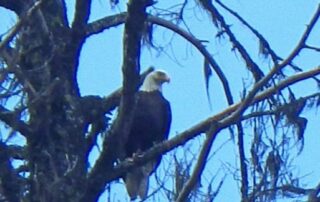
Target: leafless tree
(39,59)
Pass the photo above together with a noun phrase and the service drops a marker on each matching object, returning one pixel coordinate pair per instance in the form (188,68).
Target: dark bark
(49,54)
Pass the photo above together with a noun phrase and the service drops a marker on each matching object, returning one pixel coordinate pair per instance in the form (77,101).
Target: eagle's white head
(154,81)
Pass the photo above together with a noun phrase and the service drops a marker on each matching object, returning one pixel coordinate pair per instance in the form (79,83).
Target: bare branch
(312,48)
(277,68)
(197,43)
(99,26)
(303,40)
(264,42)
(252,66)
(111,21)
(82,12)
(112,101)
(11,119)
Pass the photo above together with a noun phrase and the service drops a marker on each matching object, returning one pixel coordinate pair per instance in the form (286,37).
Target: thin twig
(265,43)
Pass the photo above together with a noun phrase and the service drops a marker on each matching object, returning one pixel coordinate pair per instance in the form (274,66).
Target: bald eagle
(150,125)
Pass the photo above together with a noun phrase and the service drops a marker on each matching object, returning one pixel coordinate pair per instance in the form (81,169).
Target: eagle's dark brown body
(150,125)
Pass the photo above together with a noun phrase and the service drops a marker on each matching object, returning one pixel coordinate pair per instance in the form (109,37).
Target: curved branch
(250,97)
(115,20)
(217,17)
(302,43)
(264,42)
(197,43)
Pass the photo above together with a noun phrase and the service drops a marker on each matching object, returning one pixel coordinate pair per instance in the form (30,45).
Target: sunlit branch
(108,22)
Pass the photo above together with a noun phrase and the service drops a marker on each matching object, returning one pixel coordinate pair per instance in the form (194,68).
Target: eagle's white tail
(137,181)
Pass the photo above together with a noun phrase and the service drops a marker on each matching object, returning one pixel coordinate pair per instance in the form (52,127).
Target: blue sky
(281,22)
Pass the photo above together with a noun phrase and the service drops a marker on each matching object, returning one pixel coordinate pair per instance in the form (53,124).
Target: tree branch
(82,12)
(13,5)
(99,26)
(197,43)
(10,118)
(115,20)
(246,102)
(112,101)
(303,40)
(313,195)
(264,42)
(216,16)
